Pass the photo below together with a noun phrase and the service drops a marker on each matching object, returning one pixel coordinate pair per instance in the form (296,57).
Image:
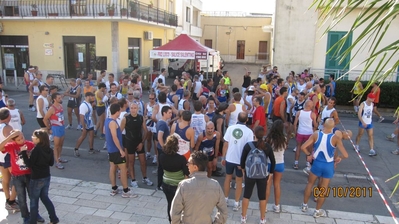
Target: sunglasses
(130,94)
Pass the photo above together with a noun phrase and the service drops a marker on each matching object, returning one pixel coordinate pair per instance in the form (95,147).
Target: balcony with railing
(82,9)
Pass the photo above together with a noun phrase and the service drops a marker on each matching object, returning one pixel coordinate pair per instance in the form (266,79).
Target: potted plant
(52,14)
(101,14)
(133,9)
(34,10)
(123,11)
(151,4)
(111,9)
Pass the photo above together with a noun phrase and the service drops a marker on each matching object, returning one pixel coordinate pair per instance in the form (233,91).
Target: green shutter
(332,62)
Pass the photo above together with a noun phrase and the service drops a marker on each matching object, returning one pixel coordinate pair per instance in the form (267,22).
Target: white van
(177,66)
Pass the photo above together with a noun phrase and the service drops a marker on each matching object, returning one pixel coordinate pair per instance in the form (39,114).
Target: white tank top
(181,104)
(325,113)
(198,86)
(119,121)
(2,138)
(45,106)
(198,124)
(149,110)
(234,115)
(279,156)
(159,114)
(305,126)
(289,104)
(367,113)
(15,121)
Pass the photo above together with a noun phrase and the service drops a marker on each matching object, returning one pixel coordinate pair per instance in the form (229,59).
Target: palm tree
(372,22)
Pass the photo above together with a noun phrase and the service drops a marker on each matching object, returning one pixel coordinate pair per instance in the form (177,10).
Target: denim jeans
(21,184)
(39,189)
(169,192)
(160,169)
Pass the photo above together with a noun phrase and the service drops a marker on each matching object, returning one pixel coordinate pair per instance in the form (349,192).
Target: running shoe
(243,219)
(51,138)
(62,160)
(155,171)
(147,182)
(381,119)
(148,155)
(262,221)
(134,184)
(91,151)
(154,160)
(13,206)
(114,192)
(320,213)
(129,194)
(59,166)
(276,208)
(159,188)
(33,109)
(68,126)
(372,153)
(306,170)
(77,154)
(294,149)
(304,207)
(40,219)
(79,127)
(390,138)
(237,206)
(395,152)
(102,137)
(357,148)
(295,166)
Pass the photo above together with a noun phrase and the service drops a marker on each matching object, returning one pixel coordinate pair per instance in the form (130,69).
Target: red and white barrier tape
(372,179)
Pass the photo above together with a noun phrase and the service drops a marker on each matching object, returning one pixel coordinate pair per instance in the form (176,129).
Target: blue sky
(258,6)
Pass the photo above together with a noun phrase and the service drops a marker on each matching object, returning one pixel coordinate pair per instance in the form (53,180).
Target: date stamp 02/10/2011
(343,192)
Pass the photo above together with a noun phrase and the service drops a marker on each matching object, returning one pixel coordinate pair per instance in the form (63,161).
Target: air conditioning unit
(148,35)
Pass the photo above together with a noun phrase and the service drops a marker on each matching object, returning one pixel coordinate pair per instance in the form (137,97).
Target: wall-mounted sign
(9,61)
(48,45)
(48,52)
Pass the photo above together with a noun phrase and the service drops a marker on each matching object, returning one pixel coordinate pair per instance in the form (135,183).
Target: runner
(100,108)
(163,132)
(356,90)
(184,103)
(136,129)
(73,94)
(258,118)
(54,121)
(151,128)
(209,142)
(17,117)
(395,133)
(324,144)
(365,115)
(5,163)
(235,138)
(86,111)
(198,120)
(116,154)
(185,134)
(304,125)
(233,110)
(376,91)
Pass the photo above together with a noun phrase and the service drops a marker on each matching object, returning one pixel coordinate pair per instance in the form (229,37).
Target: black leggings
(260,185)
(169,192)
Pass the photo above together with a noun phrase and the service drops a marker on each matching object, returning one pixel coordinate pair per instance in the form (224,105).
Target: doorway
(80,56)
(262,54)
(333,65)
(14,54)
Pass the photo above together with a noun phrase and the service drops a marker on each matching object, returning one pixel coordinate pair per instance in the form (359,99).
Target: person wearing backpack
(254,159)
(276,138)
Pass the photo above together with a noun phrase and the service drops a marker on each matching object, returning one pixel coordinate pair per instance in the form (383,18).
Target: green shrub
(389,97)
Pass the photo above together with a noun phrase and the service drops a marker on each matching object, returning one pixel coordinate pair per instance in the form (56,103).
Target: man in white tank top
(5,163)
(233,110)
(17,117)
(42,105)
(197,87)
(304,126)
(184,104)
(198,120)
(365,115)
(329,112)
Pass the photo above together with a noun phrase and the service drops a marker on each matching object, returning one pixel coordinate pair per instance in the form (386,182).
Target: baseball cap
(371,96)
(263,86)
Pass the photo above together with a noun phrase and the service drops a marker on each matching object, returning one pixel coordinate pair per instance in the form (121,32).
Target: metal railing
(338,73)
(87,8)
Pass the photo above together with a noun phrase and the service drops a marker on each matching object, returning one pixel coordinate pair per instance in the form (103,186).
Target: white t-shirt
(289,103)
(301,87)
(237,136)
(108,83)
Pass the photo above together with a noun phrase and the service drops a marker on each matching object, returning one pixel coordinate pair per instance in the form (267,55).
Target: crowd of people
(190,125)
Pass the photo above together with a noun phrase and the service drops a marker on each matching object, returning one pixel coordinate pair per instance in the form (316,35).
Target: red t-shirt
(17,163)
(259,115)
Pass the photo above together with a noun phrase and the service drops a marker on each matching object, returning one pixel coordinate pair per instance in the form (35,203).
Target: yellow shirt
(99,100)
(356,89)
